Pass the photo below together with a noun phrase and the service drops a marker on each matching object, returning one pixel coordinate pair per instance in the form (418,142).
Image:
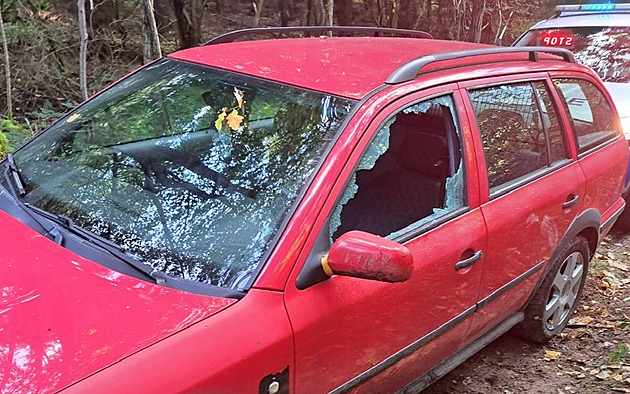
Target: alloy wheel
(564,291)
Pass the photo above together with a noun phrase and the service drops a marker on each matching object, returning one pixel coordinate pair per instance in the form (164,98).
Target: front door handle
(469,261)
(572,199)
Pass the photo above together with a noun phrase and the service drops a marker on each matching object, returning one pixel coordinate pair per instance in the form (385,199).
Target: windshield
(190,169)
(604,49)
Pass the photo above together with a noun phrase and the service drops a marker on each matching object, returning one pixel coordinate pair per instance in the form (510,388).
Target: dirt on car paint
(589,356)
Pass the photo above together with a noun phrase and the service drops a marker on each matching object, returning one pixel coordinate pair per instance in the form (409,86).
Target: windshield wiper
(103,244)
(13,173)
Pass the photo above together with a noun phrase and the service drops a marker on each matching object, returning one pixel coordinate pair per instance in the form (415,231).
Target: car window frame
(265,261)
(532,77)
(376,125)
(602,89)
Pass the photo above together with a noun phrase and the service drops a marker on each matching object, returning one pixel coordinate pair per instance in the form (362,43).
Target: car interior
(408,181)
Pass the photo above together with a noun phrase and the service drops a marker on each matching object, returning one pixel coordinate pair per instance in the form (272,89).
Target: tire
(552,306)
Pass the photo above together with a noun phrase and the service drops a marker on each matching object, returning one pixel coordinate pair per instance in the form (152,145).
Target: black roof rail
(410,70)
(234,35)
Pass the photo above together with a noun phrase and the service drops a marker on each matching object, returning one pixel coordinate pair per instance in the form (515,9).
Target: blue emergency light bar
(601,7)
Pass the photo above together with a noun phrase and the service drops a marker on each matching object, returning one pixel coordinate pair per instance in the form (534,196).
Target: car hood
(63,317)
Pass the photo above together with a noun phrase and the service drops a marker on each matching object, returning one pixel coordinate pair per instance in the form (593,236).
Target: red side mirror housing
(363,255)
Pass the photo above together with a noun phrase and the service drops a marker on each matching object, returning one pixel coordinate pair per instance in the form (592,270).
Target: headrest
(425,154)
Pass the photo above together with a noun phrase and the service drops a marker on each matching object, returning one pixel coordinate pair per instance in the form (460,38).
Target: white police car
(599,37)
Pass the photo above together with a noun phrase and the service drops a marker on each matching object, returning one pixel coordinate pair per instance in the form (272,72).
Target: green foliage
(4,145)
(621,353)
(12,136)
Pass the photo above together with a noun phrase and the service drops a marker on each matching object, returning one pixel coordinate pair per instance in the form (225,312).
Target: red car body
(70,324)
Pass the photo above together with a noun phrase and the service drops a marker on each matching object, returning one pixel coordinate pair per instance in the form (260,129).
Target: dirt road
(590,356)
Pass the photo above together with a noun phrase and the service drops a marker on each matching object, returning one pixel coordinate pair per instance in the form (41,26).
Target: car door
(533,188)
(411,179)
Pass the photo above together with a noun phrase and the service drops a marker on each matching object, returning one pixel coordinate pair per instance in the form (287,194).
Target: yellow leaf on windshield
(218,124)
(240,95)
(234,120)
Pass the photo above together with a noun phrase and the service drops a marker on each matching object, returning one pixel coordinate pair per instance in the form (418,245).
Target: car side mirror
(362,255)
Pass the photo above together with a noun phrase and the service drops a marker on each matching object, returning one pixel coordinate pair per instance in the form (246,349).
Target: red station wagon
(322,214)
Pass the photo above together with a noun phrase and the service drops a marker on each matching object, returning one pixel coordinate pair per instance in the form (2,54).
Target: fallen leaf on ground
(580,321)
(578,361)
(608,326)
(552,355)
(619,265)
(603,375)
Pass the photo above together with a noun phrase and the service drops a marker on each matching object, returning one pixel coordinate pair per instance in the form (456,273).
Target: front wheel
(557,297)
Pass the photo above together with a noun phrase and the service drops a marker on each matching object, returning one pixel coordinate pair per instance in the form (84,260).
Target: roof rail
(410,70)
(233,36)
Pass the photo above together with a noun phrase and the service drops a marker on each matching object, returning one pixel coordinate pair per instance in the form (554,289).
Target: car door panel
(345,326)
(525,222)
(523,239)
(372,336)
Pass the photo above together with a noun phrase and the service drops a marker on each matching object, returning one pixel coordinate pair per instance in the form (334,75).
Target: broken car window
(410,174)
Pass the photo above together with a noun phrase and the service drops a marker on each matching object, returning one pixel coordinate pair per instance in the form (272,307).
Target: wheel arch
(586,224)
(592,237)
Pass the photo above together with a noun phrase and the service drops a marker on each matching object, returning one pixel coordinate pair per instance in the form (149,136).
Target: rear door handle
(571,201)
(469,261)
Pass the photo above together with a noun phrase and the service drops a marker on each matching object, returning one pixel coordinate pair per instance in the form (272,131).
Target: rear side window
(591,115)
(516,122)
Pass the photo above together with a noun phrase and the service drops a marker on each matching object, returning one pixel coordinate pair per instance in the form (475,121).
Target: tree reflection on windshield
(191,170)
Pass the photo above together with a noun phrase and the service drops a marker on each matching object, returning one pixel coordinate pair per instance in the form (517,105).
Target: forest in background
(43,44)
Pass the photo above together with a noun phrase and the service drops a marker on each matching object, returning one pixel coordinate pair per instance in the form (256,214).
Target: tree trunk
(162,12)
(7,67)
(395,12)
(330,9)
(343,11)
(82,49)
(150,39)
(258,7)
(478,11)
(284,8)
(189,16)
(459,19)
(316,14)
